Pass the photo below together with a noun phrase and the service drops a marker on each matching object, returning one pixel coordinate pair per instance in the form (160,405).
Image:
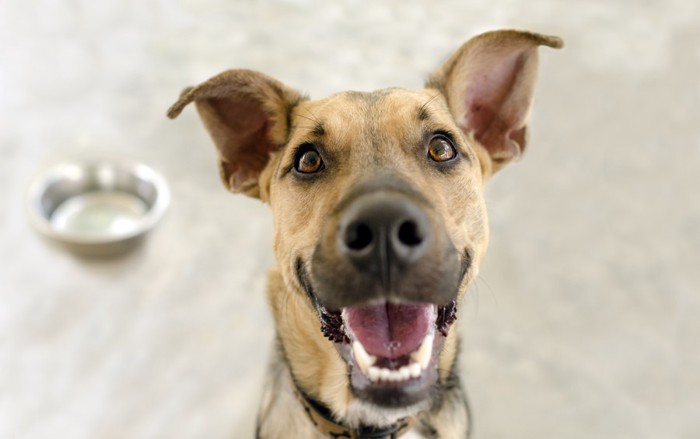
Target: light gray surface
(583,324)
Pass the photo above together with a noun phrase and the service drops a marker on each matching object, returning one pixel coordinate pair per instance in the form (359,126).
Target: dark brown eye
(441,150)
(308,162)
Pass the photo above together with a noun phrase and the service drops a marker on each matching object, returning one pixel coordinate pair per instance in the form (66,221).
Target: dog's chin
(391,349)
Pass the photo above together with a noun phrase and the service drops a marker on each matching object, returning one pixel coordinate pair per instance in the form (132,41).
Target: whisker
(477,301)
(424,107)
(491,290)
(312,119)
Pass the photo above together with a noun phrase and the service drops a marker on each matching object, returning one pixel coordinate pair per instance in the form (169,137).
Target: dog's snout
(386,241)
(380,232)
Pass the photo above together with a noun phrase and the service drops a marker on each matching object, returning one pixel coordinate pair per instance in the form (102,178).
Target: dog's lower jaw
(303,357)
(281,415)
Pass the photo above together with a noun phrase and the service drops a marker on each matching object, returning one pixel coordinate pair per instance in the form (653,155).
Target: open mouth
(391,348)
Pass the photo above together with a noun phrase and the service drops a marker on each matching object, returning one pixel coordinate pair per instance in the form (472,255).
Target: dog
(379,228)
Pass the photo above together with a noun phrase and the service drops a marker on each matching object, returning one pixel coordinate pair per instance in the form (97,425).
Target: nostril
(409,235)
(358,236)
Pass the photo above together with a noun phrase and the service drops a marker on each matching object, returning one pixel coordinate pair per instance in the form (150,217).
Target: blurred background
(584,322)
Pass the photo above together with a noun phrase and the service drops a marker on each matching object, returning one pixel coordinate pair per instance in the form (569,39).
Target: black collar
(325,422)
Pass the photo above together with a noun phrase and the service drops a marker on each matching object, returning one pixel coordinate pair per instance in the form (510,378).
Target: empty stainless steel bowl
(97,206)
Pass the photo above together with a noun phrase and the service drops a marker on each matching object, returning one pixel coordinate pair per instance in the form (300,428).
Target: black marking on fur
(447,315)
(423,113)
(331,321)
(319,130)
(466,264)
(332,325)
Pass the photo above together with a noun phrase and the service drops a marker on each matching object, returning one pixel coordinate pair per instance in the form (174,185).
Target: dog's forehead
(386,109)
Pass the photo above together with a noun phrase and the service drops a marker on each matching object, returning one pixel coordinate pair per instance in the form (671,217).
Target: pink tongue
(390,330)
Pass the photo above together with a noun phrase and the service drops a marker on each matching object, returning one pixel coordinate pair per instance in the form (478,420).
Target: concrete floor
(584,322)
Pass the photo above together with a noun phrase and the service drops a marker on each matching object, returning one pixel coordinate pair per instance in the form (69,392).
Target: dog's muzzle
(384,279)
(384,244)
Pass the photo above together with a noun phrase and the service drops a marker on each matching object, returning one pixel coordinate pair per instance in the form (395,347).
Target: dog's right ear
(247,116)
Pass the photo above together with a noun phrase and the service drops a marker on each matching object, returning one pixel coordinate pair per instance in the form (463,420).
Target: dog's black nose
(381,233)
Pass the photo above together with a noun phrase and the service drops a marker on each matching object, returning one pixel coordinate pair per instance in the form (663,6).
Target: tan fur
(296,320)
(253,119)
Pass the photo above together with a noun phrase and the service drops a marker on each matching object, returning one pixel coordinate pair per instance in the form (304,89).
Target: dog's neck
(326,424)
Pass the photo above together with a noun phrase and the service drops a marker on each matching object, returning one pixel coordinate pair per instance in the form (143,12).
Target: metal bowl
(97,206)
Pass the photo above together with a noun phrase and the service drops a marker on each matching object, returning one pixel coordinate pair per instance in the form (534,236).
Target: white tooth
(373,374)
(384,374)
(414,370)
(404,373)
(422,355)
(362,358)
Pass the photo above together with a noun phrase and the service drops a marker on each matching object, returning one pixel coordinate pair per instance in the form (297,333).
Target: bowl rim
(54,171)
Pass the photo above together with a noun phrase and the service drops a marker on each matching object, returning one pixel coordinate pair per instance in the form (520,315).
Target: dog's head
(379,216)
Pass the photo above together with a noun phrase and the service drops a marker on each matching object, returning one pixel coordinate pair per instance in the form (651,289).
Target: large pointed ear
(488,84)
(247,116)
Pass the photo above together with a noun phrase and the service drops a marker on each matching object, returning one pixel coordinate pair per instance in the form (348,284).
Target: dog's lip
(332,322)
(334,328)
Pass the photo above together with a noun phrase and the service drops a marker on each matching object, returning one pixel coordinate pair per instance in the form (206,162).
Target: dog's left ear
(489,84)
(246,114)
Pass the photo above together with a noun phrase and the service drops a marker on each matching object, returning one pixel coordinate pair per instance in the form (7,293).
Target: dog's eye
(441,150)
(308,161)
